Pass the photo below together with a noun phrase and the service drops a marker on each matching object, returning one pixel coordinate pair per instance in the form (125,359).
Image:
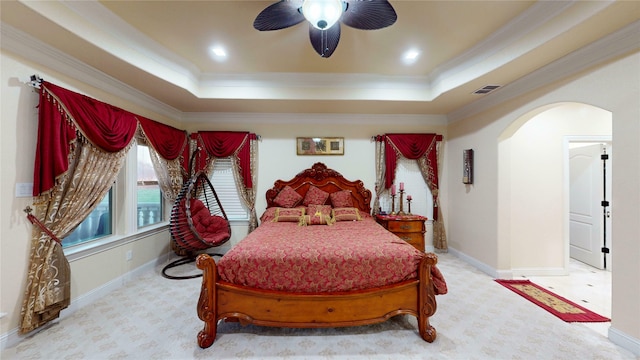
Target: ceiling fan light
(322,14)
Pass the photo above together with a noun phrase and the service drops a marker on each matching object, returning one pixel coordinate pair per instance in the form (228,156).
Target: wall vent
(486,89)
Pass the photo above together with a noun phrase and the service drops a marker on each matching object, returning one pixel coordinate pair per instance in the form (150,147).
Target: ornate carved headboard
(326,179)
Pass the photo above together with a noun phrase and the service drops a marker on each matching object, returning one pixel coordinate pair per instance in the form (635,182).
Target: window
(408,172)
(97,225)
(224,184)
(136,212)
(149,197)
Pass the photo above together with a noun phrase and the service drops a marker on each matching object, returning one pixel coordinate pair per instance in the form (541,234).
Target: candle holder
(393,205)
(409,204)
(401,212)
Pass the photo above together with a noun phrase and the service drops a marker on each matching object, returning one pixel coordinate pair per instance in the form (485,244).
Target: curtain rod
(35,81)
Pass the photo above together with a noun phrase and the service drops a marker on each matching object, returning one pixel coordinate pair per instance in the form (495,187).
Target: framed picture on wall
(320,146)
(467,166)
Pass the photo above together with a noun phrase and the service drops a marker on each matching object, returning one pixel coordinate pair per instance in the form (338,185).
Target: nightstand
(409,228)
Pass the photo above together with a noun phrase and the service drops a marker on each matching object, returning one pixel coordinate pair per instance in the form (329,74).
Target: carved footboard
(221,300)
(207,301)
(426,297)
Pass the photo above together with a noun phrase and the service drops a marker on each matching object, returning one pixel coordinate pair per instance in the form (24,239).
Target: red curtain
(55,134)
(411,146)
(168,141)
(225,144)
(106,126)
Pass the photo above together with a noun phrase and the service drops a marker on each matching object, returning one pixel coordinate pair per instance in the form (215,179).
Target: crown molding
(289,85)
(99,26)
(34,50)
(326,119)
(491,53)
(624,41)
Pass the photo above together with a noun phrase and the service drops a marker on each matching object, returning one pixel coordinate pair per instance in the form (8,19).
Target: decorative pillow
(315,196)
(287,197)
(196,206)
(268,214)
(288,214)
(317,215)
(346,214)
(341,199)
(213,229)
(315,220)
(319,210)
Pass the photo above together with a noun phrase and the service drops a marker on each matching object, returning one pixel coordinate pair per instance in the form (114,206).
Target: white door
(586,233)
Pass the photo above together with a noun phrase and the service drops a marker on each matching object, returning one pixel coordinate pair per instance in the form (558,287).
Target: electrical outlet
(129,255)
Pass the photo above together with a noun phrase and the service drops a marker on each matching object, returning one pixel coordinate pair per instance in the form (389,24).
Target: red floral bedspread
(349,255)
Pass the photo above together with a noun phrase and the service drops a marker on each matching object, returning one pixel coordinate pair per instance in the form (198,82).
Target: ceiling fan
(324,17)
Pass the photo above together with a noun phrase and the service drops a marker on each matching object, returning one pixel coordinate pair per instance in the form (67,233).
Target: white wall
(479,225)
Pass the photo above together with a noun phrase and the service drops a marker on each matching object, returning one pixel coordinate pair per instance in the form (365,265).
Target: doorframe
(566,184)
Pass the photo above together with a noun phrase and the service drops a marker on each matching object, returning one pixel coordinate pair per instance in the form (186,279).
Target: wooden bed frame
(222,300)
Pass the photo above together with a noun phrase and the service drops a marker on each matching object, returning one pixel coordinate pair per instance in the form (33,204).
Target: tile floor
(587,286)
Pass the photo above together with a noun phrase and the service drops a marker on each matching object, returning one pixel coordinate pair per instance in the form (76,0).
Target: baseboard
(12,337)
(624,340)
(540,272)
(494,273)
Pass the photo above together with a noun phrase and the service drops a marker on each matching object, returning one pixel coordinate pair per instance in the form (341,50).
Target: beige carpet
(155,318)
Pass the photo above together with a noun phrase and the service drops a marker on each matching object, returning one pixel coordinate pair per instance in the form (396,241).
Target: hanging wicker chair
(198,222)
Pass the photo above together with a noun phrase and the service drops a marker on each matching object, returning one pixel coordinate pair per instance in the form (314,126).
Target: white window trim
(111,242)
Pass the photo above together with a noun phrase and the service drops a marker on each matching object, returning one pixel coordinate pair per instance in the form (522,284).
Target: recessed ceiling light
(410,56)
(219,53)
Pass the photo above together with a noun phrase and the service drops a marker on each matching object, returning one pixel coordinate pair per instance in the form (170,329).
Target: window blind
(225,187)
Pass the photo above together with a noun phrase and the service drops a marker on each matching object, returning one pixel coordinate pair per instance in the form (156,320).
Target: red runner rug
(557,305)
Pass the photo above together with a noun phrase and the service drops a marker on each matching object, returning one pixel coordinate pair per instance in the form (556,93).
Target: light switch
(24,189)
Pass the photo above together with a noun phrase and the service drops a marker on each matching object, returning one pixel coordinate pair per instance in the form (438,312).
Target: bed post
(426,298)
(207,302)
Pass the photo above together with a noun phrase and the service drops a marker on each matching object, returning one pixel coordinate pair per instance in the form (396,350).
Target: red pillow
(341,199)
(315,220)
(213,229)
(318,210)
(315,196)
(198,210)
(317,215)
(346,214)
(288,215)
(268,214)
(287,197)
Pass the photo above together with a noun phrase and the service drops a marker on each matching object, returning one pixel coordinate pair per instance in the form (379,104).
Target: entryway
(590,239)
(534,188)
(544,207)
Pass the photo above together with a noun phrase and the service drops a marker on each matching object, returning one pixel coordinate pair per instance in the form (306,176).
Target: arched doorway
(535,170)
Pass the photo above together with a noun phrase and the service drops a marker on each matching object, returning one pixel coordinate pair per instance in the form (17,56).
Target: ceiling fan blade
(325,41)
(369,14)
(280,15)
